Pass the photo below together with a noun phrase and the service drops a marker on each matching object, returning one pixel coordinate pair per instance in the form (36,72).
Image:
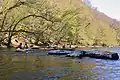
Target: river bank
(48,48)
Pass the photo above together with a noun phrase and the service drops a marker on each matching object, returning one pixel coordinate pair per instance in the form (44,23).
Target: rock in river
(94,54)
(60,51)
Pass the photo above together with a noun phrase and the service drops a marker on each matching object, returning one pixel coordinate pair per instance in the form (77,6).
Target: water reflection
(35,67)
(39,66)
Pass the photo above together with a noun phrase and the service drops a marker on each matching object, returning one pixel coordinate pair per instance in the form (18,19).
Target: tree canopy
(45,22)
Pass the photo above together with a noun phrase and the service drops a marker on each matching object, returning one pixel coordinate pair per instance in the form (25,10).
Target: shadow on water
(39,66)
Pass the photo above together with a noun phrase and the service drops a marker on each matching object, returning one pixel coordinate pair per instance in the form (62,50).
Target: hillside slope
(99,31)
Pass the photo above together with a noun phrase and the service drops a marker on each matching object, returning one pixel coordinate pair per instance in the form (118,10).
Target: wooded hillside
(45,22)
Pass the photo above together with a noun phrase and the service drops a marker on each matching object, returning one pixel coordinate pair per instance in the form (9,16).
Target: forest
(56,22)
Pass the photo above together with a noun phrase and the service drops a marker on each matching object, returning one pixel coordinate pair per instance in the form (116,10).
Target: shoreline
(46,48)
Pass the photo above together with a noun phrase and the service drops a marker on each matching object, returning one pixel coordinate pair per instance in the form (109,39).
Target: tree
(11,25)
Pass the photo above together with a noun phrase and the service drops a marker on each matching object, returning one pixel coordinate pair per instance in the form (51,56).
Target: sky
(109,7)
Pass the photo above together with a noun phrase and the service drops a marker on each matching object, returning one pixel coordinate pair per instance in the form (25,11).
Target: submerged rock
(77,53)
(60,51)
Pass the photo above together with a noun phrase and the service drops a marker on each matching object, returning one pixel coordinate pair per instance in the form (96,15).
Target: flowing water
(40,66)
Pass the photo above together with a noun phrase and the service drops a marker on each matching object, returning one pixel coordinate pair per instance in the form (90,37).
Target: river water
(40,66)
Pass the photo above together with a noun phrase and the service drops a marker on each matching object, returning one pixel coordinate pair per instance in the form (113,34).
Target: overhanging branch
(32,15)
(32,32)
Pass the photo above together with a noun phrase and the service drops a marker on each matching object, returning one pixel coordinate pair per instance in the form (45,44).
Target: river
(40,66)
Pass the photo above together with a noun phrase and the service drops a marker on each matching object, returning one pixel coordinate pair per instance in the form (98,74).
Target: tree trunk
(9,43)
(9,39)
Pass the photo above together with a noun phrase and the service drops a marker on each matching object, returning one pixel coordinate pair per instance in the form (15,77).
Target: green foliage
(54,22)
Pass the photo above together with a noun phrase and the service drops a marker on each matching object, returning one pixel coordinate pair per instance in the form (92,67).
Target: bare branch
(18,4)
(28,17)
(20,31)
(4,20)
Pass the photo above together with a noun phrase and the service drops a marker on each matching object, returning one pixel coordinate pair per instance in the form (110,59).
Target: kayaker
(20,46)
(26,46)
(64,46)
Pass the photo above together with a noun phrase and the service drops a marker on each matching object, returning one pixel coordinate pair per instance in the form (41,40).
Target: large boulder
(94,54)
(103,55)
